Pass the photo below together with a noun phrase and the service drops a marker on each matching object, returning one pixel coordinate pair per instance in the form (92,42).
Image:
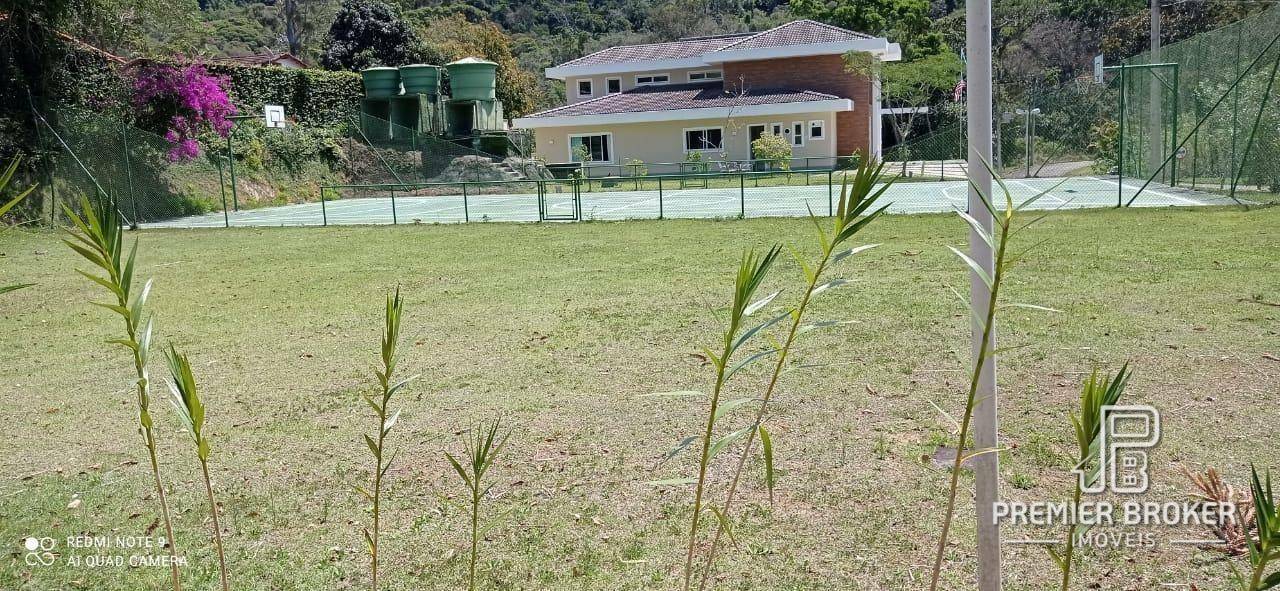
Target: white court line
(1035,191)
(1150,190)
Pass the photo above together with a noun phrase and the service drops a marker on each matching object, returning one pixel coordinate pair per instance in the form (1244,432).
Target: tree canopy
(368,33)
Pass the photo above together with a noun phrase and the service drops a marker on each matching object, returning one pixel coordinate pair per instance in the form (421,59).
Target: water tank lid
(377,68)
(471,60)
(419,66)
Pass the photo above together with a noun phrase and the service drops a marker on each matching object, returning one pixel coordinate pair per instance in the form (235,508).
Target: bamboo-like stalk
(217,527)
(191,410)
(751,272)
(797,317)
(847,223)
(983,354)
(99,240)
(377,446)
(483,445)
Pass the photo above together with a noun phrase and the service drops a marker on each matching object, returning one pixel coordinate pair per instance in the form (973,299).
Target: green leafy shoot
(859,205)
(380,402)
(5,178)
(1098,393)
(191,410)
(1264,550)
(484,443)
(752,270)
(998,240)
(98,237)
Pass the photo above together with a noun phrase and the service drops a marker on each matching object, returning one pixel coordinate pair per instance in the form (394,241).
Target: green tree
(368,33)
(455,38)
(914,84)
(902,21)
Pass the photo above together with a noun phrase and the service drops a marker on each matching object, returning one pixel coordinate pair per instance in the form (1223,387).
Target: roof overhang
(889,52)
(562,72)
(822,106)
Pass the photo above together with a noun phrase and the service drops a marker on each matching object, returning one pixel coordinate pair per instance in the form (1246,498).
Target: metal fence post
(742,195)
(323,212)
(831,178)
(394,221)
(226,220)
(466,210)
(659,197)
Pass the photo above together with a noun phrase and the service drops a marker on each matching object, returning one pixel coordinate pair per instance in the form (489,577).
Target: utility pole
(1156,143)
(986,467)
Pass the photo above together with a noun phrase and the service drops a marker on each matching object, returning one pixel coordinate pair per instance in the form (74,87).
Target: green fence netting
(1212,111)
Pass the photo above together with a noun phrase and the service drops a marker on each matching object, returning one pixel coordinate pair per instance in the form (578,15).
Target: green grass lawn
(560,327)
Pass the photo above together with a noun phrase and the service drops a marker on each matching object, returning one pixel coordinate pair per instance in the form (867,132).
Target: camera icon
(39,551)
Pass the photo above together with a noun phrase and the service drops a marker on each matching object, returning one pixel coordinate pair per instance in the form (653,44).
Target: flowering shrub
(184,102)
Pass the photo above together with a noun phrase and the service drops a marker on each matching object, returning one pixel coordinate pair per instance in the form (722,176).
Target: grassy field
(560,328)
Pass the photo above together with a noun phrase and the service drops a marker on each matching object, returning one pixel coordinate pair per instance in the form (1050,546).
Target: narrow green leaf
(766,441)
(852,251)
(748,361)
(373,447)
(1029,307)
(15,287)
(977,228)
(724,523)
(817,289)
(758,304)
(728,406)
(390,422)
(982,273)
(718,445)
(746,335)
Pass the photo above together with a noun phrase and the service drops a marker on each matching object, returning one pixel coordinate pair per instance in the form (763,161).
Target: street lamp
(1028,131)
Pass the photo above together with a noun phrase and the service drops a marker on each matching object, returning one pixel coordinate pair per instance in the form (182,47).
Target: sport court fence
(736,194)
(1203,113)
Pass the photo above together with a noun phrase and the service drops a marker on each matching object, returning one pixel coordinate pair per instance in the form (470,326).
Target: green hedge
(316,98)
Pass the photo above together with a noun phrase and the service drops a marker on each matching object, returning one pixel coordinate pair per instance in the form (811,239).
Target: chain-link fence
(1205,112)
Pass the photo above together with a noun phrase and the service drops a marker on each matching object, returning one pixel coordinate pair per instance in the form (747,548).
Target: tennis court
(558,203)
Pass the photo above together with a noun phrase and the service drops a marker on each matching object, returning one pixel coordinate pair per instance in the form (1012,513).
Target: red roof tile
(669,97)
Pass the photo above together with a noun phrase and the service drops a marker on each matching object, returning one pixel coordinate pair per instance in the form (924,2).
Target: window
(584,88)
(598,147)
(613,85)
(797,133)
(703,138)
(652,79)
(707,75)
(775,129)
(817,130)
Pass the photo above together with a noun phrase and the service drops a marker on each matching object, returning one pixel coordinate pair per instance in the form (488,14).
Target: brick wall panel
(821,73)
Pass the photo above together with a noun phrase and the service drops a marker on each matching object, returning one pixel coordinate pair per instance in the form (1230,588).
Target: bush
(774,150)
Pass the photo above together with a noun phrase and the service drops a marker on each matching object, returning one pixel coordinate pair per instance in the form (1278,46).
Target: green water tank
(472,78)
(381,82)
(420,79)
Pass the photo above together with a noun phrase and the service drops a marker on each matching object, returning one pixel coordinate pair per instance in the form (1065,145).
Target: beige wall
(664,141)
(678,76)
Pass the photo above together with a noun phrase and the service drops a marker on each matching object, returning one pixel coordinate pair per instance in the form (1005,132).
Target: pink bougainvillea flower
(190,100)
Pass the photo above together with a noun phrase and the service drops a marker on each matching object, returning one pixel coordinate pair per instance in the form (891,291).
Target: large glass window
(703,138)
(595,148)
(584,88)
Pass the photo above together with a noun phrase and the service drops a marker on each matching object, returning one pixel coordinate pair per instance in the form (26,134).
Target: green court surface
(377,206)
